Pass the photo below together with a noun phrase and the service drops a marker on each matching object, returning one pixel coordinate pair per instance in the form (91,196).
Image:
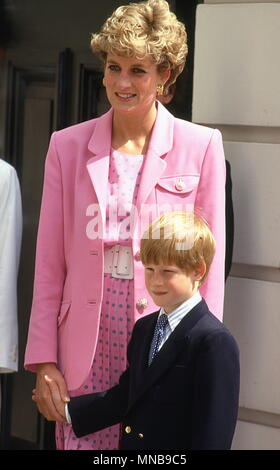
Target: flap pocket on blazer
(64,309)
(180,184)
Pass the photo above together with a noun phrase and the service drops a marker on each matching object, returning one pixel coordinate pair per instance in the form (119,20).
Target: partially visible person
(10,244)
(181,388)
(10,233)
(105,179)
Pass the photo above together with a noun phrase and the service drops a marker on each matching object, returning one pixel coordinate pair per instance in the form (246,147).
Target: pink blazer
(69,257)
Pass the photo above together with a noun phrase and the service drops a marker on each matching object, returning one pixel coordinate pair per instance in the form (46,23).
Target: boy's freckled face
(169,286)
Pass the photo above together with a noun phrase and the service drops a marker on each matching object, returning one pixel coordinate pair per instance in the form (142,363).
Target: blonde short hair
(141,29)
(178,238)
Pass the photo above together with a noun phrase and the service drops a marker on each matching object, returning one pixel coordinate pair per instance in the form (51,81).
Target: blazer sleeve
(50,267)
(10,243)
(215,392)
(96,411)
(210,204)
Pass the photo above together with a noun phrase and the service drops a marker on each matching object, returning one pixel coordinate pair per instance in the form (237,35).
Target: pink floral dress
(116,320)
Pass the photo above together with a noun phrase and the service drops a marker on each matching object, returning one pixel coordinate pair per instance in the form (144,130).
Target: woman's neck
(131,133)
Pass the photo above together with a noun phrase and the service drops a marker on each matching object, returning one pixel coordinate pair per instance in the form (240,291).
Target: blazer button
(180,185)
(127,429)
(142,303)
(137,255)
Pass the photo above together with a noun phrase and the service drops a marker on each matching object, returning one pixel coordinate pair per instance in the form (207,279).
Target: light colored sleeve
(10,244)
(210,204)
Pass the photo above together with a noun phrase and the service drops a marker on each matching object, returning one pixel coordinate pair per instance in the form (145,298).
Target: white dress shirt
(177,315)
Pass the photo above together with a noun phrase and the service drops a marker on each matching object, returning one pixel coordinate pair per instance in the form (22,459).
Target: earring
(160,89)
(103,81)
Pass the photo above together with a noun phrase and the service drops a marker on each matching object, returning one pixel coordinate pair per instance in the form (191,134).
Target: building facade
(50,80)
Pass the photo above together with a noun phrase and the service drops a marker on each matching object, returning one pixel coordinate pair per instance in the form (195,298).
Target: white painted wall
(255,169)
(250,436)
(237,89)
(237,46)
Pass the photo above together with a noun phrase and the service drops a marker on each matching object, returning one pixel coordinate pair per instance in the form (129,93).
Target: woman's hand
(50,401)
(60,405)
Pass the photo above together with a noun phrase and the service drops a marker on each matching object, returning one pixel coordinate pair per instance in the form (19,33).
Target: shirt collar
(176,315)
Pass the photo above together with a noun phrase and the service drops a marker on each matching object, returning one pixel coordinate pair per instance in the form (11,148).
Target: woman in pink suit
(105,179)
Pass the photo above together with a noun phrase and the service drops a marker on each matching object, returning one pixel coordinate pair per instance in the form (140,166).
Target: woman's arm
(50,271)
(50,268)
(210,204)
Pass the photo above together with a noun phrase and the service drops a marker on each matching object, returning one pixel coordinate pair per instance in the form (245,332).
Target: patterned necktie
(158,335)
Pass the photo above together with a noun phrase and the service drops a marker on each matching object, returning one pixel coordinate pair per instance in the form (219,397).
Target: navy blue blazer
(186,399)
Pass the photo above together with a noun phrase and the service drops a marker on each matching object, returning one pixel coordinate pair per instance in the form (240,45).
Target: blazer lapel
(98,165)
(168,353)
(160,144)
(101,138)
(143,347)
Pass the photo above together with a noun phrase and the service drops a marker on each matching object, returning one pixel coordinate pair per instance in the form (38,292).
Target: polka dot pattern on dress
(124,177)
(116,320)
